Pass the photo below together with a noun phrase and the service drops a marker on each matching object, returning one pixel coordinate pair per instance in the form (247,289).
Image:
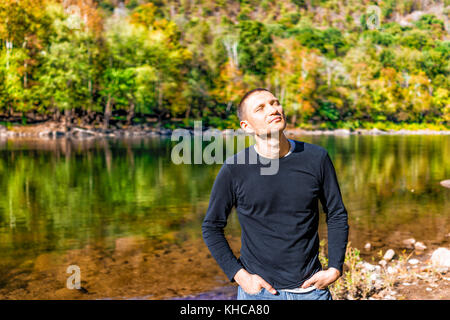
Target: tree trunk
(67,116)
(107,113)
(131,114)
(56,114)
(294,119)
(188,112)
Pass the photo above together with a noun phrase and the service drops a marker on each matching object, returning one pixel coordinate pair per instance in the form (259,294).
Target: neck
(272,146)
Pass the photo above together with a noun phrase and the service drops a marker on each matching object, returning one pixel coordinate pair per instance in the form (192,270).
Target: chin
(277,128)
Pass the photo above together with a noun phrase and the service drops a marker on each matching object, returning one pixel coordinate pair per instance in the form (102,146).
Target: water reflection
(131,218)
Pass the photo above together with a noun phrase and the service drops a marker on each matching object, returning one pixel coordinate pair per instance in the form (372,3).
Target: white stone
(409,243)
(342,132)
(374,277)
(413,261)
(428,289)
(441,257)
(367,246)
(383,262)
(389,255)
(369,267)
(391,270)
(419,246)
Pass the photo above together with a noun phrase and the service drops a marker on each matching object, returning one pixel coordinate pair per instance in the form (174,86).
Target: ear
(246,127)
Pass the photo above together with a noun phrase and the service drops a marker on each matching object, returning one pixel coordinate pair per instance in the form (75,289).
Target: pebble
(409,243)
(429,289)
(413,261)
(419,246)
(391,270)
(367,246)
(389,255)
(373,277)
(369,267)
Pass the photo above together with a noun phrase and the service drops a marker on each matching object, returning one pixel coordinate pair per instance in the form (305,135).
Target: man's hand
(322,279)
(252,283)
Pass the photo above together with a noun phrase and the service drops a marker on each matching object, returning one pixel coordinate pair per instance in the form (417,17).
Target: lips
(275,118)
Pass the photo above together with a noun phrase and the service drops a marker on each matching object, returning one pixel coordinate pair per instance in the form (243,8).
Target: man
(278,213)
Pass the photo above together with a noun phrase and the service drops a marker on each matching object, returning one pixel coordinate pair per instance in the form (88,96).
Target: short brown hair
(241,104)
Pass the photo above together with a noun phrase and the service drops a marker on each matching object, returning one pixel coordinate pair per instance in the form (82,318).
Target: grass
(359,283)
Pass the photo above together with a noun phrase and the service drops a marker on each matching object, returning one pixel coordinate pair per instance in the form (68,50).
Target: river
(130,219)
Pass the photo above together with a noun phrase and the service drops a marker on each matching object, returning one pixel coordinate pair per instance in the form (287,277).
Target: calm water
(110,196)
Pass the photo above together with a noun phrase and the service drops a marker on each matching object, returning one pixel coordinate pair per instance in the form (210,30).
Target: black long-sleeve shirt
(278,214)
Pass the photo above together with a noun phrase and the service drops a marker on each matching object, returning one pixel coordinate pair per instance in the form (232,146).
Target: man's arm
(330,197)
(337,218)
(221,202)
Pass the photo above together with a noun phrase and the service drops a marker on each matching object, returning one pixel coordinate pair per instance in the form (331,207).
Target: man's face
(263,114)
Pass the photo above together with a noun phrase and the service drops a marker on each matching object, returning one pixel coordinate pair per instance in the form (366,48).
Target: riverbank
(414,276)
(139,268)
(53,130)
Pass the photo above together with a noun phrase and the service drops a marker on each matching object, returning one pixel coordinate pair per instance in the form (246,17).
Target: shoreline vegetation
(53,129)
(108,62)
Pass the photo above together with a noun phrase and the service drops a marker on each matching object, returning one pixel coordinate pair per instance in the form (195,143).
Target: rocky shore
(52,130)
(395,277)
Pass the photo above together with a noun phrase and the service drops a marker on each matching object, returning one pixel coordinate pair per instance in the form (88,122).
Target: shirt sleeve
(336,214)
(221,202)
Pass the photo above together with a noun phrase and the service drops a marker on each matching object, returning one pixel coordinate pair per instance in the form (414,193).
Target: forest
(333,64)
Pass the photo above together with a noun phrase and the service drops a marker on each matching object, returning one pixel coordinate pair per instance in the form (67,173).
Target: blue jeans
(263,294)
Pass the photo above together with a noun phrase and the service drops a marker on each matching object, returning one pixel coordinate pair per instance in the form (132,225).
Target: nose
(272,109)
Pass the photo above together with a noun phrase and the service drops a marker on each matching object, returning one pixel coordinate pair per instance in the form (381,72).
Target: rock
(409,243)
(82,133)
(382,262)
(389,255)
(413,261)
(376,131)
(391,270)
(441,257)
(342,132)
(419,246)
(374,277)
(368,267)
(367,246)
(445,183)
(428,289)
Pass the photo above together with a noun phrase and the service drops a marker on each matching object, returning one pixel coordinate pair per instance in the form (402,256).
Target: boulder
(445,183)
(441,257)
